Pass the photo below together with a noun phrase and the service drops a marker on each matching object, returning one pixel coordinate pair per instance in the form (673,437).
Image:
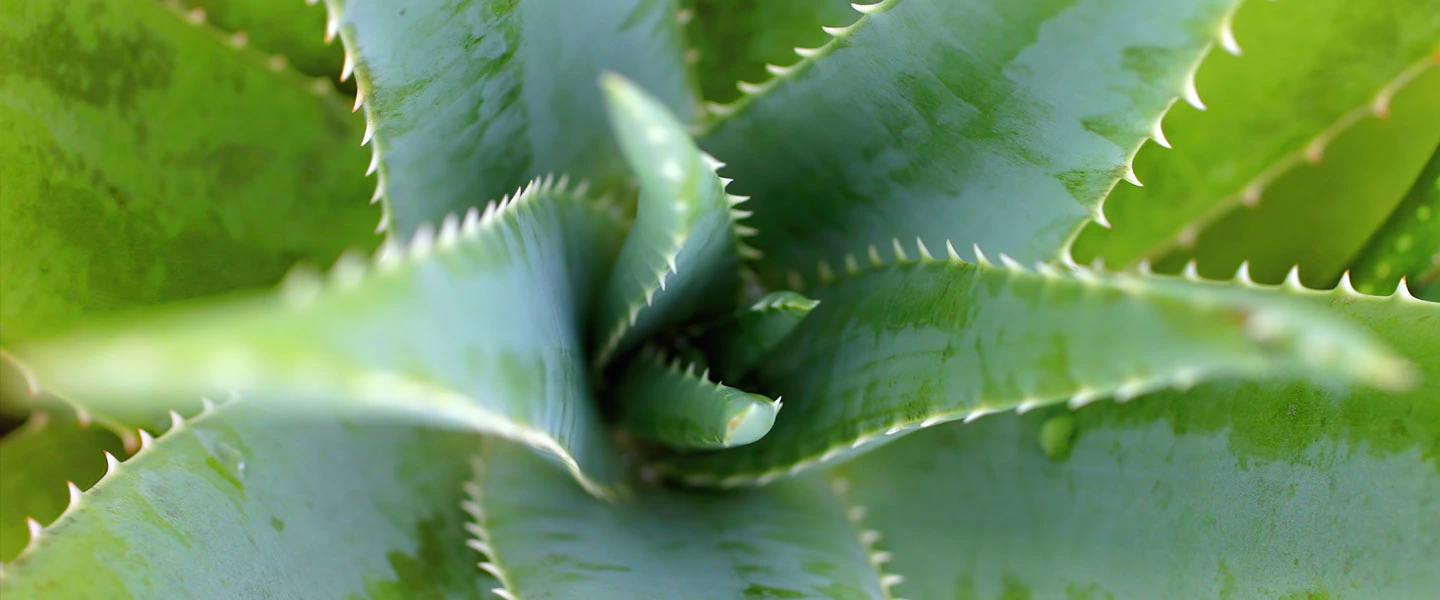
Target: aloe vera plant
(718,299)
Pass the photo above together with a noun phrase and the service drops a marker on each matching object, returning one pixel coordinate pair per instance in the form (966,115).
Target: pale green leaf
(979,121)
(1243,490)
(735,345)
(1307,71)
(145,160)
(477,326)
(738,40)
(233,505)
(682,253)
(292,31)
(1320,216)
(36,461)
(547,539)
(1409,243)
(677,406)
(893,349)
(469,99)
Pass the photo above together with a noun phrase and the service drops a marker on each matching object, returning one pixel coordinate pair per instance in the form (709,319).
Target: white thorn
(1130,177)
(384,222)
(332,27)
(867,9)
(1345,285)
(34,527)
(146,440)
(834,31)
(899,250)
(891,580)
(359,98)
(1191,270)
(374,164)
(369,132)
(807,52)
(924,252)
(980,258)
(1292,278)
(111,463)
(1099,218)
(875,256)
(1144,267)
(206,406)
(1192,96)
(852,266)
(347,68)
(1011,263)
(503,593)
(1157,133)
(491,568)
(175,421)
(74,494)
(1227,38)
(748,88)
(1242,274)
(1403,290)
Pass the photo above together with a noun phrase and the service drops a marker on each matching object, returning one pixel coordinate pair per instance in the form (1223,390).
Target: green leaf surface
(294,30)
(674,405)
(469,99)
(1319,216)
(1408,245)
(1307,71)
(735,345)
(232,504)
(477,326)
(978,121)
(734,40)
(896,348)
(1246,490)
(36,461)
(546,539)
(145,160)
(682,255)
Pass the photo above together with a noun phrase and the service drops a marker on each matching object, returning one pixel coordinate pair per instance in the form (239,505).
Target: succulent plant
(720,299)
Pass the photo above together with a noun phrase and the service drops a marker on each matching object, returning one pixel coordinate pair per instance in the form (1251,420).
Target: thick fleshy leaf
(682,255)
(679,407)
(231,504)
(145,160)
(979,121)
(468,99)
(1246,490)
(896,348)
(1320,216)
(478,326)
(735,40)
(1409,243)
(735,345)
(293,31)
(546,539)
(1308,71)
(36,461)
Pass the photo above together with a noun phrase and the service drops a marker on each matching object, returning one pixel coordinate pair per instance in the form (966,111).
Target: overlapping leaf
(477,326)
(468,99)
(979,121)
(145,160)
(1274,490)
(232,504)
(735,345)
(1306,72)
(36,461)
(891,349)
(546,539)
(734,40)
(294,32)
(682,255)
(679,407)
(1409,243)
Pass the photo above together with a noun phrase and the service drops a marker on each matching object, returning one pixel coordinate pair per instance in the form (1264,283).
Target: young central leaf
(682,255)
(681,408)
(477,326)
(909,345)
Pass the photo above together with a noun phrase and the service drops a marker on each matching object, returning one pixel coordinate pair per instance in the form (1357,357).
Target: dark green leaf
(1409,243)
(735,345)
(735,40)
(36,462)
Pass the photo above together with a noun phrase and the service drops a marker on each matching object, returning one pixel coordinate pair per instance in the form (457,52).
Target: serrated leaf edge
(480,542)
(869,539)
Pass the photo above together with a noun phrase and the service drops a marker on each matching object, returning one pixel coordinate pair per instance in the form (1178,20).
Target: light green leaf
(468,99)
(735,40)
(36,461)
(896,348)
(231,504)
(1308,71)
(1409,243)
(735,345)
(292,30)
(677,407)
(146,161)
(477,326)
(979,121)
(546,539)
(1320,216)
(1245,490)
(682,255)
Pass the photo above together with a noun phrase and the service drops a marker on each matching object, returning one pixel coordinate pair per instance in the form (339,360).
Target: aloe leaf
(979,121)
(321,509)
(677,406)
(36,462)
(733,40)
(124,186)
(290,30)
(1304,73)
(477,326)
(1267,489)
(735,345)
(895,348)
(546,539)
(469,99)
(1319,216)
(1408,245)
(682,255)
